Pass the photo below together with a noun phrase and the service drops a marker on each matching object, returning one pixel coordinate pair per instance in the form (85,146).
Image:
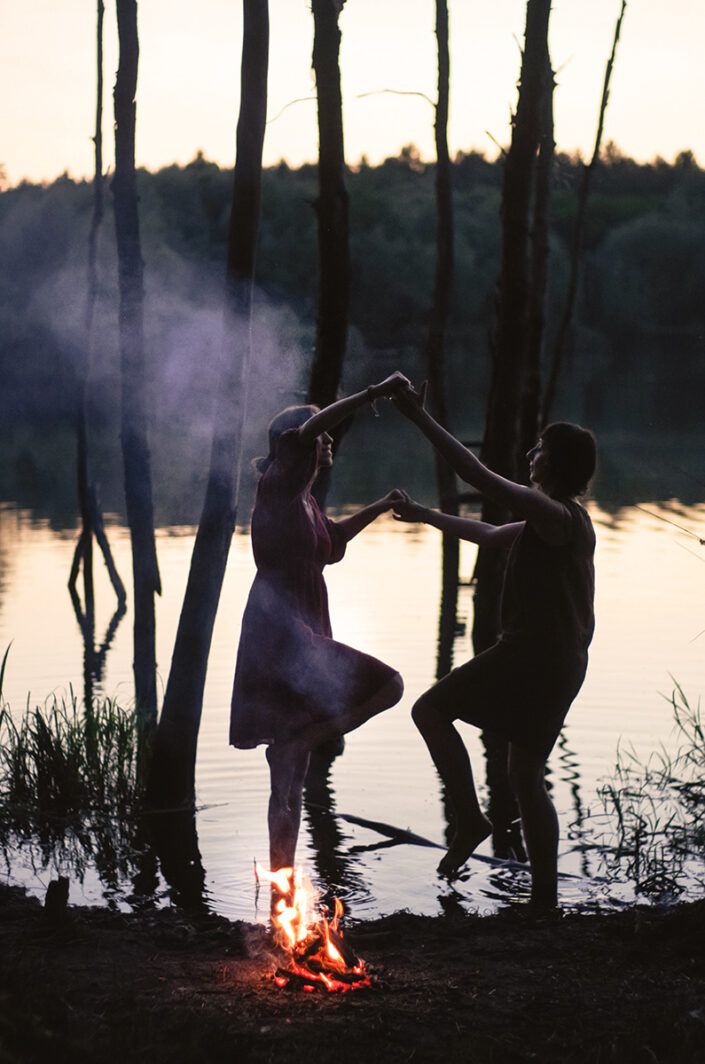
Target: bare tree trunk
(531,390)
(509,357)
(331,209)
(91,520)
(172,772)
(509,344)
(84,548)
(578,231)
(135,447)
(332,225)
(435,345)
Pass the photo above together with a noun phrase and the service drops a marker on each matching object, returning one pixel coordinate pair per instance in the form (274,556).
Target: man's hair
(572,457)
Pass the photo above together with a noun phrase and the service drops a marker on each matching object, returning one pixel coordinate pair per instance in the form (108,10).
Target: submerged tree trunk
(172,772)
(507,375)
(435,345)
(578,230)
(91,519)
(134,437)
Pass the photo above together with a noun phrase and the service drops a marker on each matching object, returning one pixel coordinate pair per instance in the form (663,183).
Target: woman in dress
(523,686)
(295,686)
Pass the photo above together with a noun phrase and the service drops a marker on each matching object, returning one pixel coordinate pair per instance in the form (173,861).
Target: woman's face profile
(324,449)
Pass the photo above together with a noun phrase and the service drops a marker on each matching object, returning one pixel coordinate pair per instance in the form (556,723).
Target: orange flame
(316,951)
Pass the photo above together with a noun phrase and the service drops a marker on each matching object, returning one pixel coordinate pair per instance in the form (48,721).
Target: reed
(658,808)
(70,787)
(62,759)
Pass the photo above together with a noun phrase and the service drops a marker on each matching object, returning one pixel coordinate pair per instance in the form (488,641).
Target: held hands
(410,401)
(389,387)
(395,497)
(406,509)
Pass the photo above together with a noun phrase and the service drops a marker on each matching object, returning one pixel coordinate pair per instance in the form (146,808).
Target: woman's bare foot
(464,843)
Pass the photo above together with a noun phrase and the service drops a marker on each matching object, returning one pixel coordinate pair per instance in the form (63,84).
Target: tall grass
(69,786)
(658,807)
(61,759)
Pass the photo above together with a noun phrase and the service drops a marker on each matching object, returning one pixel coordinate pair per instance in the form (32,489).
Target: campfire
(317,955)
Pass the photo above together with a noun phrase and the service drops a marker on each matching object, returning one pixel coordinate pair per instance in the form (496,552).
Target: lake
(384,598)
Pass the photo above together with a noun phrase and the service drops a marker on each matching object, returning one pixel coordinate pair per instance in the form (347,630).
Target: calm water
(384,599)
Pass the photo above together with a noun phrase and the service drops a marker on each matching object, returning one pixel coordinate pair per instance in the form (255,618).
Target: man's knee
(424,713)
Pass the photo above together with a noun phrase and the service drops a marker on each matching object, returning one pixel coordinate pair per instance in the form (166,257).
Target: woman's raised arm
(332,415)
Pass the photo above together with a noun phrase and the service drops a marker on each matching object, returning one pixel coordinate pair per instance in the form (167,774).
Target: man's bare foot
(464,843)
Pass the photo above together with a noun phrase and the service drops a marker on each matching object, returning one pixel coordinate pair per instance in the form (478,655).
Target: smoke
(184,342)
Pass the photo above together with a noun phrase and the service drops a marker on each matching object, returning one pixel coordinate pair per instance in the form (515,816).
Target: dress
(523,686)
(290,671)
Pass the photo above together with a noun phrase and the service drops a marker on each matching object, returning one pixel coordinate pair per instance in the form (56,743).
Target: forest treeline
(635,358)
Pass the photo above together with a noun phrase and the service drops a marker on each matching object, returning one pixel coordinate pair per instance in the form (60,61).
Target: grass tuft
(658,808)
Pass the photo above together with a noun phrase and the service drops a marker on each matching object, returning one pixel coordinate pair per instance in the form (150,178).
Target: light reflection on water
(384,599)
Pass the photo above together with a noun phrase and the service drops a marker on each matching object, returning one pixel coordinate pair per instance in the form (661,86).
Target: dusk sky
(188,85)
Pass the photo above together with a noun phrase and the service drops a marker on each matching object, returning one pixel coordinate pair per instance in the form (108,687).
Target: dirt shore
(93,985)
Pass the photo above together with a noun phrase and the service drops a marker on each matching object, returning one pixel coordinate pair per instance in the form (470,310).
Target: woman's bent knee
(396,688)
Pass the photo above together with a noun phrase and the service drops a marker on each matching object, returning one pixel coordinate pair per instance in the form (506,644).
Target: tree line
(639,296)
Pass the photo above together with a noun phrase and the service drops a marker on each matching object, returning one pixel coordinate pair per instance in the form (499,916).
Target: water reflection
(649,611)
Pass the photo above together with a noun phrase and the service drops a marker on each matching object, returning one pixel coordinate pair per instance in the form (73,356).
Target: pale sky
(188,88)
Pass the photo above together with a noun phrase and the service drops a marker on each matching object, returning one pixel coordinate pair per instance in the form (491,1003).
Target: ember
(318,957)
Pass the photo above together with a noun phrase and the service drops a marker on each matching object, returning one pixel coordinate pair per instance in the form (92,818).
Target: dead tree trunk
(331,220)
(172,771)
(509,342)
(509,352)
(435,344)
(530,407)
(135,447)
(91,520)
(331,209)
(578,231)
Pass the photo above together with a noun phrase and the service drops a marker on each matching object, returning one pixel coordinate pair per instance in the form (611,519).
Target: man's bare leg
(451,759)
(539,823)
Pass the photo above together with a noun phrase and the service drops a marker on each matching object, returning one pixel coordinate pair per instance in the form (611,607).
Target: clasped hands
(410,402)
(399,388)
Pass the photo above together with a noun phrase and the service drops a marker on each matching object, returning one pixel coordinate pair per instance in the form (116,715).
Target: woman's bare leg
(287,775)
(451,759)
(539,822)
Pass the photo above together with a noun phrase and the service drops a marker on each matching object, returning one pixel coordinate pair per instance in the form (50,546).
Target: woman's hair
(572,457)
(290,418)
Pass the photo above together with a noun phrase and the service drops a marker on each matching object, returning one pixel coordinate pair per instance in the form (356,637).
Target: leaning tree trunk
(172,772)
(332,221)
(435,345)
(502,424)
(135,448)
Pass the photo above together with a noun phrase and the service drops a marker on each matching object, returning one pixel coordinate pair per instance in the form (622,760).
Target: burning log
(318,955)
